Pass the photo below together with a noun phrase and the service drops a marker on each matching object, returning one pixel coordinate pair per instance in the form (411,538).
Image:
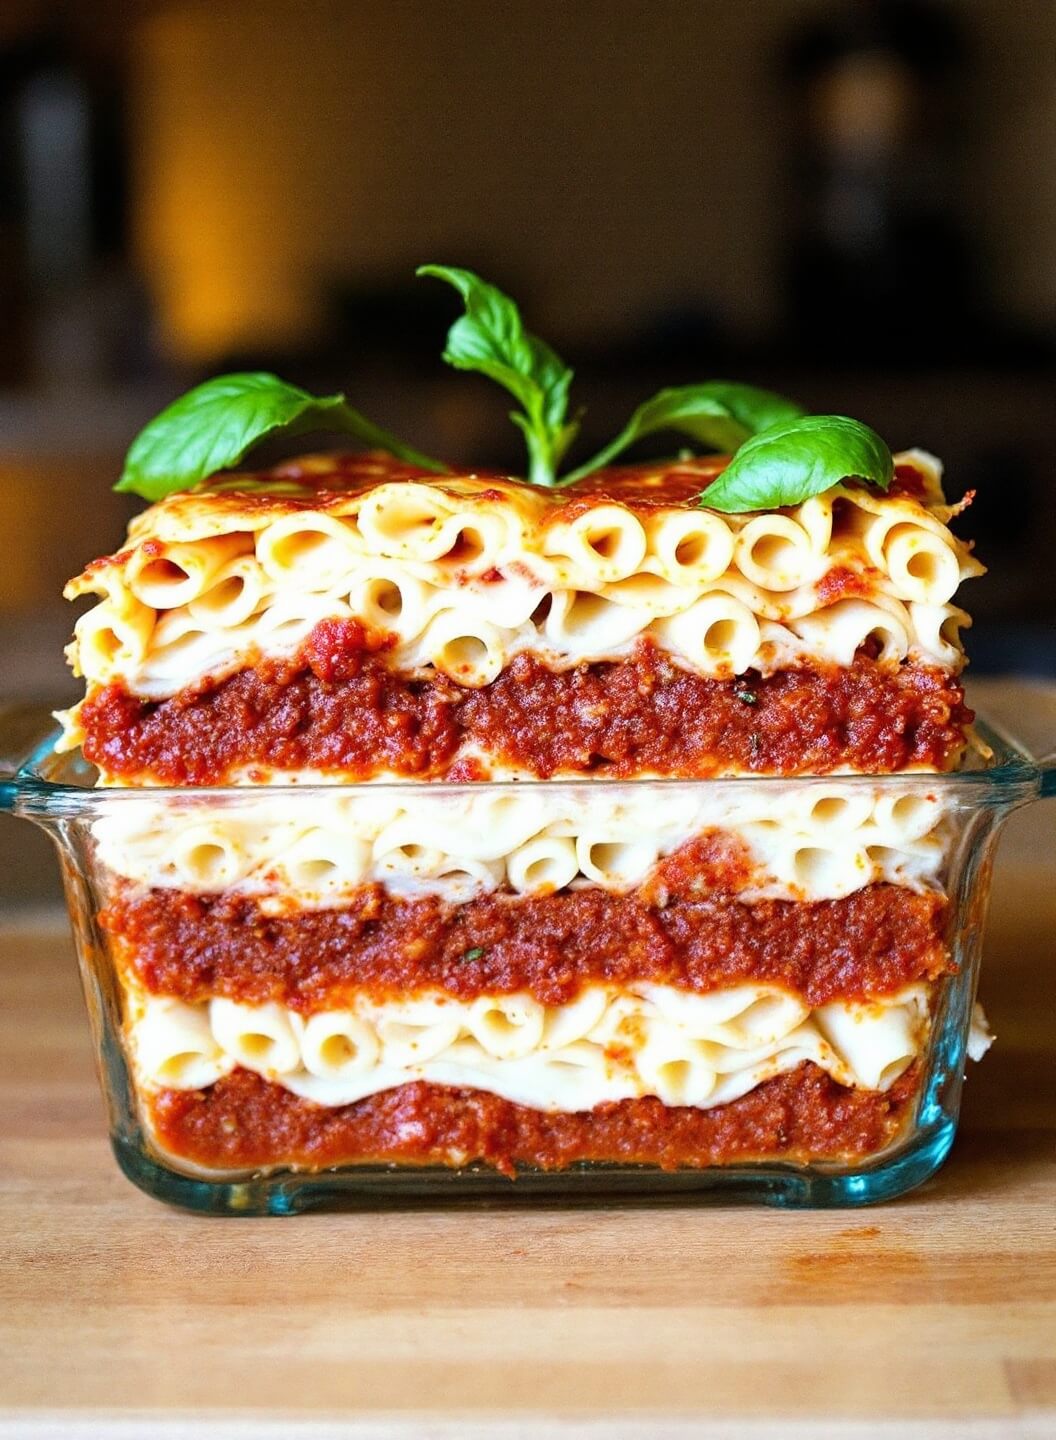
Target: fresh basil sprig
(213,426)
(718,414)
(490,338)
(792,460)
(781,456)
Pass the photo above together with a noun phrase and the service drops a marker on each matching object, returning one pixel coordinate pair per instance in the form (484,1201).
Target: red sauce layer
(244,1122)
(195,947)
(340,706)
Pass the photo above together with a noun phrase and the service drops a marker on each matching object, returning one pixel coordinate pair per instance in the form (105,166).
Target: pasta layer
(339,710)
(609,1044)
(679,932)
(803,842)
(472,632)
(461,575)
(244,1122)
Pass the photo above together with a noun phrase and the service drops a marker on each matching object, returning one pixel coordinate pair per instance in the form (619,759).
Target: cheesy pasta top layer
(465,572)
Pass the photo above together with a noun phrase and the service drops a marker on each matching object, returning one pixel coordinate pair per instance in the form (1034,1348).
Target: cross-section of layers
(348,620)
(524,975)
(527,974)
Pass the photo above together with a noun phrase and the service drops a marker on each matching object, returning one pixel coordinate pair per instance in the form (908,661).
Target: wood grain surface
(119,1317)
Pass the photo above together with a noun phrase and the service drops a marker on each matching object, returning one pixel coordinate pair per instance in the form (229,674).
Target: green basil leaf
(802,457)
(490,339)
(213,426)
(717,414)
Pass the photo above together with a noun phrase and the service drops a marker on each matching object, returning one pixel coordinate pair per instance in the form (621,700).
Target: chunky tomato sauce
(872,942)
(244,1122)
(339,706)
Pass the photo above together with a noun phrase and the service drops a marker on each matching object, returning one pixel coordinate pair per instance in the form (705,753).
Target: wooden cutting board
(939,1311)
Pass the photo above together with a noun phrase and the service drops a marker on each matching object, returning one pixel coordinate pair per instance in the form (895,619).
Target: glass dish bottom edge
(908,1161)
(375,1187)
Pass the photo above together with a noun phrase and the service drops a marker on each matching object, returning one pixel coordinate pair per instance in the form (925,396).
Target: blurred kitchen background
(853,202)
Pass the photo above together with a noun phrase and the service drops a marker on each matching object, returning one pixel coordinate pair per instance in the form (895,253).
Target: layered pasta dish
(552,949)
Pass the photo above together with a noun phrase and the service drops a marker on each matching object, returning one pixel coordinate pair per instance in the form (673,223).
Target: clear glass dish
(964,812)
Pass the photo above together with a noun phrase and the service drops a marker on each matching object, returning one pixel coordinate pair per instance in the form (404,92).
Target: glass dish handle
(23,728)
(1026,709)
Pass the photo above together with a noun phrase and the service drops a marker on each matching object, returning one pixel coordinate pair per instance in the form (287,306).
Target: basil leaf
(213,426)
(490,339)
(718,414)
(792,461)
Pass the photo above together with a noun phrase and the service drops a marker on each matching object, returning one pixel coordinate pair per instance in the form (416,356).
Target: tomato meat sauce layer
(339,706)
(246,1122)
(194,947)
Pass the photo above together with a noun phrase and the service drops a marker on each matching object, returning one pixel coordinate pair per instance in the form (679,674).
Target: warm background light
(280,145)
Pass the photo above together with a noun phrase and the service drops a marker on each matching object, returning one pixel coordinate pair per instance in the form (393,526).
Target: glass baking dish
(102,834)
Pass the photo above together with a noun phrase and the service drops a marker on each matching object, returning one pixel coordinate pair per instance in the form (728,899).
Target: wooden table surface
(120,1317)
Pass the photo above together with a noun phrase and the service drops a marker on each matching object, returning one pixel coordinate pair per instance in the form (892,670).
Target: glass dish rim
(1011,776)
